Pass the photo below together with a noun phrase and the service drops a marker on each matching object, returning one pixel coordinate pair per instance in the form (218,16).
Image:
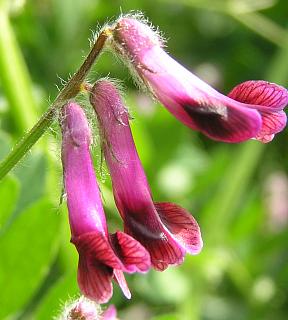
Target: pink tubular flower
(101,256)
(254,109)
(166,230)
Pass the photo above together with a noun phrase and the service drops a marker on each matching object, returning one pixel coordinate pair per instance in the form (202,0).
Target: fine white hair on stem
(139,15)
(119,86)
(119,52)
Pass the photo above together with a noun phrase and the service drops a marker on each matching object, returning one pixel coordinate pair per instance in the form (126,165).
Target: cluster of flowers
(155,234)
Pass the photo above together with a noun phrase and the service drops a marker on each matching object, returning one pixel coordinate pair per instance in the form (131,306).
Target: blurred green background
(238,193)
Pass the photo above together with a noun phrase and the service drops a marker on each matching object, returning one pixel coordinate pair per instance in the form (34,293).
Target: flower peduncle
(70,90)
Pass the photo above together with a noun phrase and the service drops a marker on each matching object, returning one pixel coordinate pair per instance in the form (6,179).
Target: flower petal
(152,234)
(84,203)
(132,254)
(94,279)
(233,125)
(262,93)
(97,246)
(120,279)
(182,225)
(269,98)
(272,122)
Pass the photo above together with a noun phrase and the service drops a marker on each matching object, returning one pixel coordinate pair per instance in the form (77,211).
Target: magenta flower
(166,230)
(101,256)
(252,110)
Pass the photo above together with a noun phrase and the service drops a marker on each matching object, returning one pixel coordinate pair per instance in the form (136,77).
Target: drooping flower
(252,110)
(102,256)
(166,230)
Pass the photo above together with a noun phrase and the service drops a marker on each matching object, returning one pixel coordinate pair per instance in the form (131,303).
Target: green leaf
(5,143)
(62,292)
(166,317)
(9,191)
(27,250)
(32,175)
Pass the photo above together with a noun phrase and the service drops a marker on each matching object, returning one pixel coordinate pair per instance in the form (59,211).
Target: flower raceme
(253,109)
(102,256)
(166,230)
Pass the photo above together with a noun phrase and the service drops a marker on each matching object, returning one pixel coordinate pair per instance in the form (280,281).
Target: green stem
(71,89)
(221,208)
(263,26)
(14,78)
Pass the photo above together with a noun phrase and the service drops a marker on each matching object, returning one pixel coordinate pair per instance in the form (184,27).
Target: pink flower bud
(85,309)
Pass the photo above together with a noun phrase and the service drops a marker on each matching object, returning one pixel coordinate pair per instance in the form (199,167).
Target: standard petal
(132,254)
(94,279)
(182,225)
(269,99)
(259,92)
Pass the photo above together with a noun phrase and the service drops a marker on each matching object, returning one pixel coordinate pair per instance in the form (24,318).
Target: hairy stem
(71,89)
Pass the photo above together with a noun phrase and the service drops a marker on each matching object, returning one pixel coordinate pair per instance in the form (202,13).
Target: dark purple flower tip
(182,225)
(232,124)
(269,99)
(95,280)
(167,234)
(100,259)
(132,254)
(167,231)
